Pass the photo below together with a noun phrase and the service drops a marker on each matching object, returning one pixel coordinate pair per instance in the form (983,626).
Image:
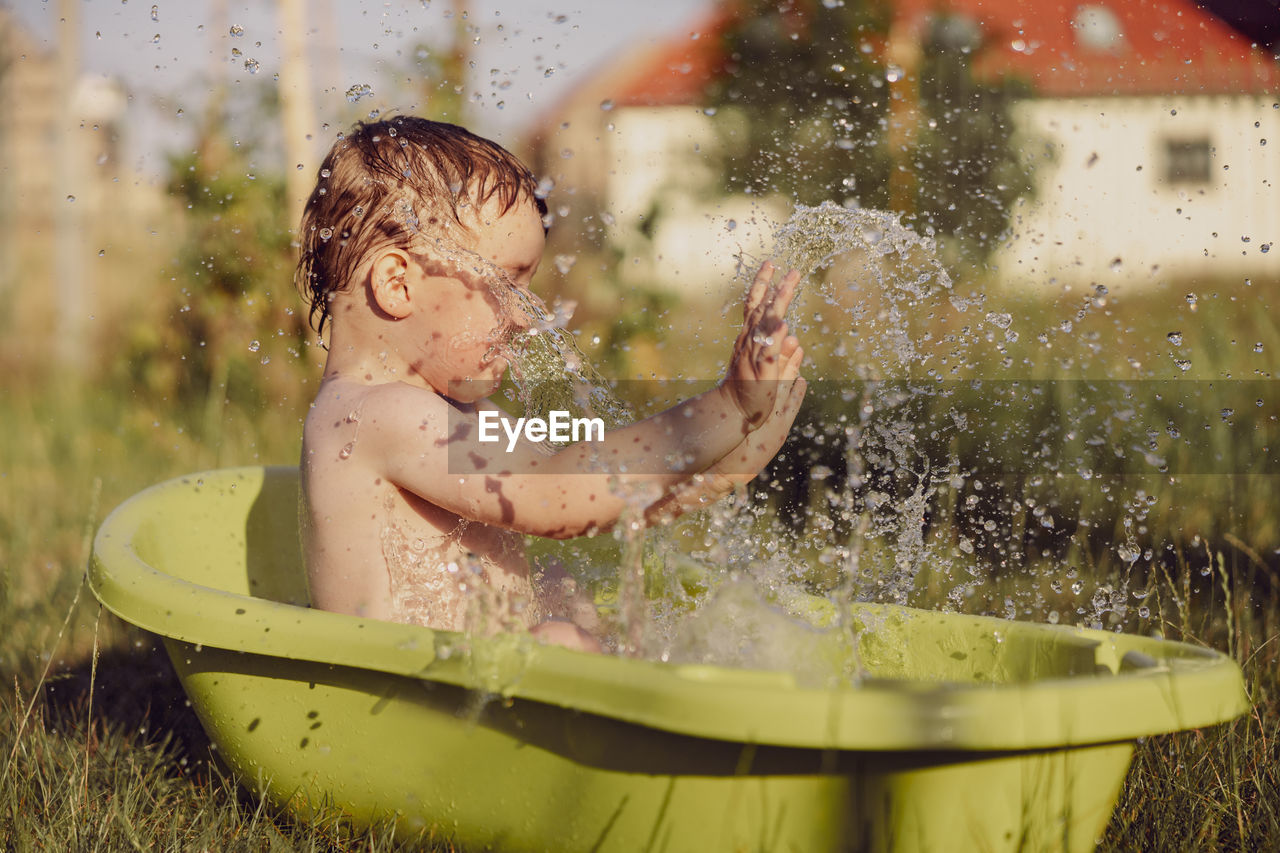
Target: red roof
(679,70)
(1138,47)
(1116,47)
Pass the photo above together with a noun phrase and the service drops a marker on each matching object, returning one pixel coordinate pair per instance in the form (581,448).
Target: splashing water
(735,601)
(870,501)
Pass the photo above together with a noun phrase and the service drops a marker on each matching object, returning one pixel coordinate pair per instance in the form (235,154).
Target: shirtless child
(418,246)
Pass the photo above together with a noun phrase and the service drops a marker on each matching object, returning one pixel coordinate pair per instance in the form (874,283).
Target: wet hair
(393,183)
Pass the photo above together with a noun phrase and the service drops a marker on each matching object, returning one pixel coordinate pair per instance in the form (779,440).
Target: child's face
(471,319)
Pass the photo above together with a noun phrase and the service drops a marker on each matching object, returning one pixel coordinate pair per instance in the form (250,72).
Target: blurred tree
(828,109)
(229,327)
(968,170)
(812,100)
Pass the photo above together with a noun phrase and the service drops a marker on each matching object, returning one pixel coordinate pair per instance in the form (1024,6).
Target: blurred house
(78,228)
(1150,129)
(637,143)
(1148,132)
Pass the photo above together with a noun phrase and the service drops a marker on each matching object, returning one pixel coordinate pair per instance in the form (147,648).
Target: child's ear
(389,283)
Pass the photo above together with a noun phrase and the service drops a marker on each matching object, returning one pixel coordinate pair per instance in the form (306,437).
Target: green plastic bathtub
(968,734)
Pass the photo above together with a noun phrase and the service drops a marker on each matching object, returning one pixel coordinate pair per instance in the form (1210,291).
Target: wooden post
(297,108)
(902,56)
(72,290)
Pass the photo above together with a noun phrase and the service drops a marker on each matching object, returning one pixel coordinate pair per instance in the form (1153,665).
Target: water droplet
(548,72)
(1264,248)
(236,31)
(1184,364)
(606,105)
(71,198)
(358,91)
(1001,320)
(564,263)
(251,65)
(1192,299)
(708,111)
(326,233)
(1257,347)
(893,74)
(1077,587)
(155,13)
(1226,414)
(345,452)
(1175,338)
(254,346)
(155,39)
(1115,265)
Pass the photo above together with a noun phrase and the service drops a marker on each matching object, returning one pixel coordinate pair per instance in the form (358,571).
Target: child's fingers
(759,287)
(789,345)
(798,389)
(791,368)
(770,349)
(782,296)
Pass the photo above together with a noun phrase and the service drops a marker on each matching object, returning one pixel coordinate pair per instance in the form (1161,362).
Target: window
(1186,161)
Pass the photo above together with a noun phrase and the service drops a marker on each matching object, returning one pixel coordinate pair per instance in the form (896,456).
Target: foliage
(826,116)
(814,101)
(229,327)
(967,170)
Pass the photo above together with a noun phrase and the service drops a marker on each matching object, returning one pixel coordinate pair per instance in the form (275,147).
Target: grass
(1219,788)
(99,750)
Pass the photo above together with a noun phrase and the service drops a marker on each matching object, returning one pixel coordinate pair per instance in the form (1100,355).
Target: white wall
(662,159)
(1105,195)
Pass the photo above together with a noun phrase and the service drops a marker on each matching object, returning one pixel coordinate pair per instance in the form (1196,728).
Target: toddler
(419,243)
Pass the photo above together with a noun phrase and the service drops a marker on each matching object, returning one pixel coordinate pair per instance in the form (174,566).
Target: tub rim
(1154,686)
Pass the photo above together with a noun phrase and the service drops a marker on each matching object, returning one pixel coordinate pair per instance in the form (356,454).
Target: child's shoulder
(381,417)
(355,401)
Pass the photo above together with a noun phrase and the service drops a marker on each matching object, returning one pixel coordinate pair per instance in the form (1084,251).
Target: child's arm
(578,489)
(744,463)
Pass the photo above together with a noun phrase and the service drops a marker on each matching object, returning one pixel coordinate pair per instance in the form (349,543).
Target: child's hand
(763,349)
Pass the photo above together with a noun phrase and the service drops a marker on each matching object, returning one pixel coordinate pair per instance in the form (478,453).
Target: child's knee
(567,634)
